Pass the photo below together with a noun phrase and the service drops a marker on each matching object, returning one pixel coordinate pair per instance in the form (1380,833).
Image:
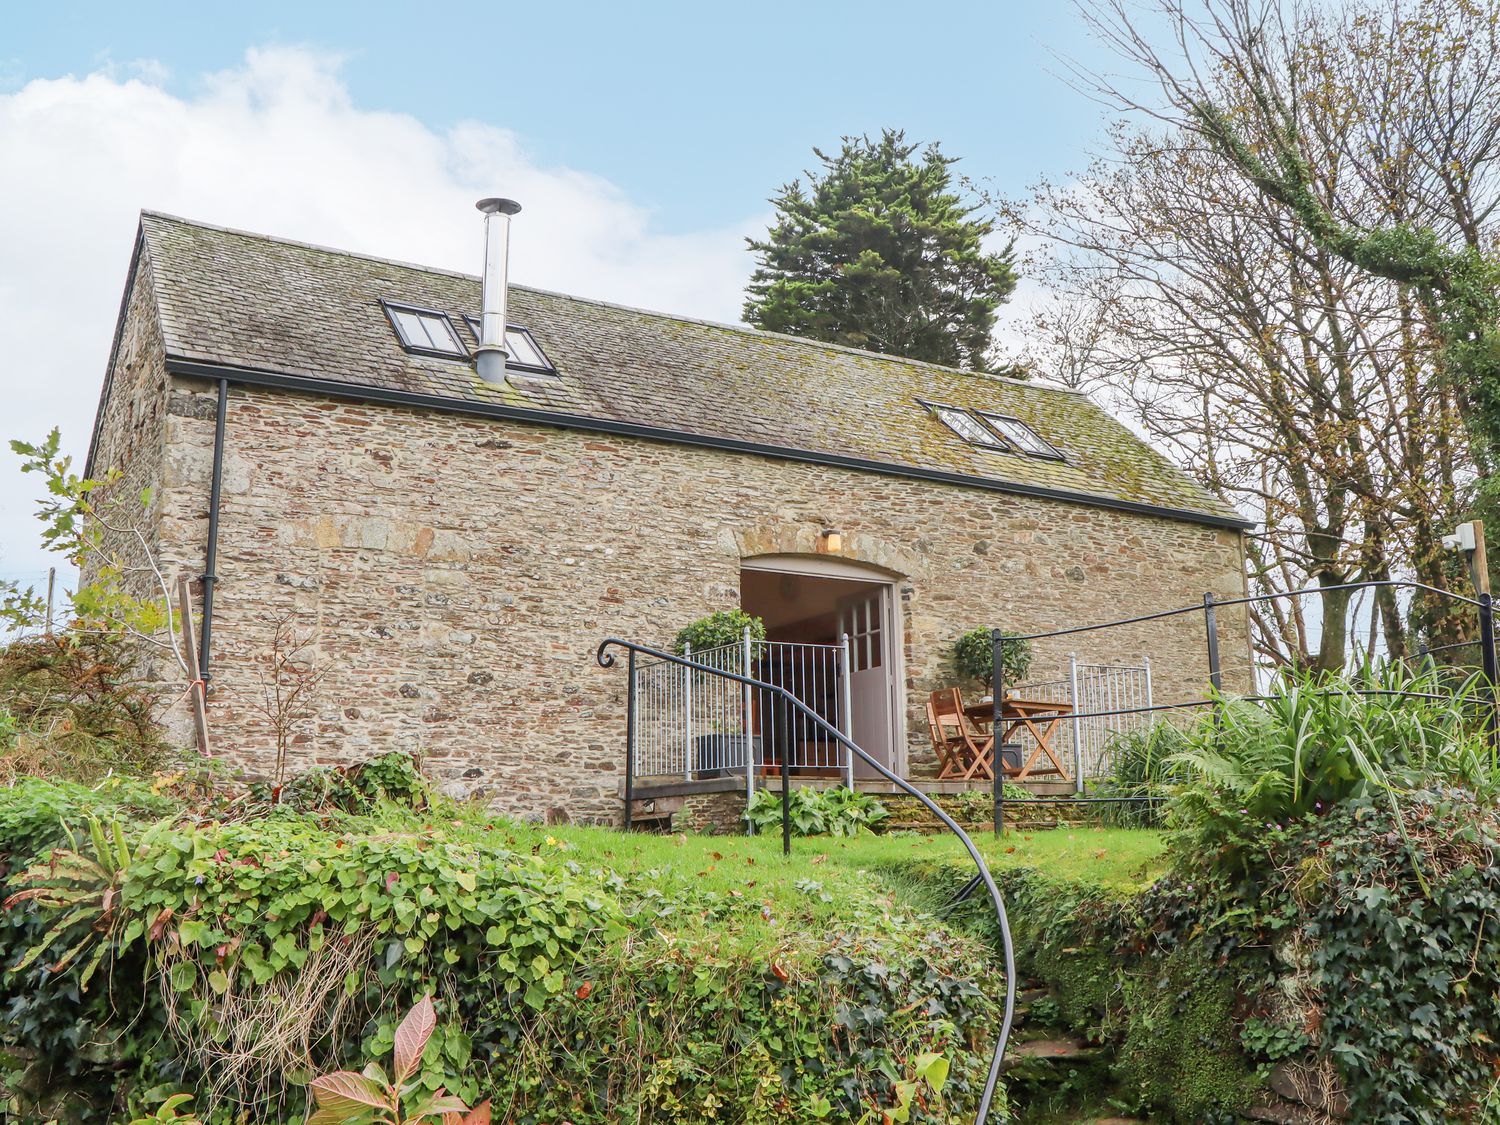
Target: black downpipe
(211,557)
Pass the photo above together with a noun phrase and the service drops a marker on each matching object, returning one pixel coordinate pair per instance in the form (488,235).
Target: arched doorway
(814,600)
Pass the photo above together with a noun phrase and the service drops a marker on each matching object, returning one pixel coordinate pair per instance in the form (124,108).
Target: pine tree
(879,251)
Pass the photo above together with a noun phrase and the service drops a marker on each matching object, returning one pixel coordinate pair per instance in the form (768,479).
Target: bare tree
(1374,126)
(289,682)
(1326,177)
(1294,384)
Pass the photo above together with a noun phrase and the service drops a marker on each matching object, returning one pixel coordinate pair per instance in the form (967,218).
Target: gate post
(630,742)
(846,695)
(687,715)
(997,760)
(1211,628)
(1077,723)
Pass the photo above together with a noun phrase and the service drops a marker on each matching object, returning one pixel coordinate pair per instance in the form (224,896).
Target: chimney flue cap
(495,205)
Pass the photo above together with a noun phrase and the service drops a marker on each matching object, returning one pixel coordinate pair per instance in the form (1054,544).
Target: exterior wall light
(830,543)
(1469,538)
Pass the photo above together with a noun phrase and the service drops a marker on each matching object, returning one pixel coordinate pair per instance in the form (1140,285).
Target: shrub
(974,657)
(816,812)
(75,708)
(1316,743)
(1142,763)
(243,957)
(354,789)
(1409,977)
(720,628)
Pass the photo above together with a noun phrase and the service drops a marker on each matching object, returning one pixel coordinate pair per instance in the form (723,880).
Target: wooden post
(197,692)
(1479,567)
(51,592)
(1479,573)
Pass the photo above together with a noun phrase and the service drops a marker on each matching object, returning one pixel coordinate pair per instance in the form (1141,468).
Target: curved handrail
(606,659)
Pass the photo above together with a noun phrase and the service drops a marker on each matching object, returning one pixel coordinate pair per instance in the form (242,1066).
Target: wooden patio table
(1039,717)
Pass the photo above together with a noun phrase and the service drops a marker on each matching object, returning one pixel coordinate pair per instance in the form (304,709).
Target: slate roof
(250,301)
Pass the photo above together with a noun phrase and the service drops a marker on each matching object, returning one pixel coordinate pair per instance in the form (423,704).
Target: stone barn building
(451,550)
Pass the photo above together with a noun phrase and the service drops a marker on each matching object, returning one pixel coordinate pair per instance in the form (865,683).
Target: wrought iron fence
(692,722)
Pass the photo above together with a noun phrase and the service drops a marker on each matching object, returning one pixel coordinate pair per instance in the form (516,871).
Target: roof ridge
(747,329)
(147,212)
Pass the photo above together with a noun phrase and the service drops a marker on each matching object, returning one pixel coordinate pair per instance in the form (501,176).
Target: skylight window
(966,426)
(1020,435)
(999,432)
(425,332)
(522,350)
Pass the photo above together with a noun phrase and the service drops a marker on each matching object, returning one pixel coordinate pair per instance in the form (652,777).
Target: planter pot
(720,755)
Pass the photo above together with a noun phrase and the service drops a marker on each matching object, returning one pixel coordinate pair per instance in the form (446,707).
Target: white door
(866,619)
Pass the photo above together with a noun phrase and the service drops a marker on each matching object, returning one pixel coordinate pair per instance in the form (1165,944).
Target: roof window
(425,331)
(966,426)
(999,432)
(522,350)
(1019,434)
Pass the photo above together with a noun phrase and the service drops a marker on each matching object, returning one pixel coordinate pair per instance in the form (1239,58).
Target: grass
(1124,858)
(829,879)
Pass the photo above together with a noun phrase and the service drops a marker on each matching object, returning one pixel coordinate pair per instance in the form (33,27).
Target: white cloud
(277,145)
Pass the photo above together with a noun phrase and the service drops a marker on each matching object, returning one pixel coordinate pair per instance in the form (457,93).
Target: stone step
(1060,1050)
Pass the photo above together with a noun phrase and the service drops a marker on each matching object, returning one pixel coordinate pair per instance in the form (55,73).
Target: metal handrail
(1251,599)
(606,659)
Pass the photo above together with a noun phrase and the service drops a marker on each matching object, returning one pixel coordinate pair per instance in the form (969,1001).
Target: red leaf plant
(373,1097)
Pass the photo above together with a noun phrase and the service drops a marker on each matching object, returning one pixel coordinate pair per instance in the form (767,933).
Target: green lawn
(828,878)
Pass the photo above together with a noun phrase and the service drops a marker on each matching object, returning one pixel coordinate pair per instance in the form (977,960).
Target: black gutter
(211,556)
(257,377)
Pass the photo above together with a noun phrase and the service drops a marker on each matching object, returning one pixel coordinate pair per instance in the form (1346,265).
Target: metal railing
(750,684)
(692,723)
(1102,709)
(1115,689)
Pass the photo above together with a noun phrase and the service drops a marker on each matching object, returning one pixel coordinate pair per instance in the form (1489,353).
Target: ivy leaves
(1409,980)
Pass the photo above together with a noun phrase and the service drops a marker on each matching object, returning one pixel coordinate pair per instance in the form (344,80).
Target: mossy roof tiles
(246,300)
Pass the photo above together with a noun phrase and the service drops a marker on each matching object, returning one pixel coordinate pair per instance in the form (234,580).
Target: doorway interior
(816,602)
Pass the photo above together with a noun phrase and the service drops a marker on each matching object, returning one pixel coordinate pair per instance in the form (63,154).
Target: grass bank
(235,949)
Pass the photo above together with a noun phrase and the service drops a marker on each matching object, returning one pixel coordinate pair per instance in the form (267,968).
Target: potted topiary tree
(718,629)
(974,659)
(717,753)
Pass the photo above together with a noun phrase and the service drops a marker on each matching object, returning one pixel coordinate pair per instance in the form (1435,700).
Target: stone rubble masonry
(712,814)
(455,574)
(132,440)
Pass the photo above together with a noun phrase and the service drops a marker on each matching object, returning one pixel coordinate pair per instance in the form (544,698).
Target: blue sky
(697,111)
(643,142)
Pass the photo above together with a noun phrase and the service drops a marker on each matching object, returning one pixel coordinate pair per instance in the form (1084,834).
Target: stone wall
(454,575)
(132,431)
(132,440)
(713,814)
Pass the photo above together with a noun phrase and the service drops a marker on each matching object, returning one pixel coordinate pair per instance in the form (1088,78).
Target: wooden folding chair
(963,752)
(942,746)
